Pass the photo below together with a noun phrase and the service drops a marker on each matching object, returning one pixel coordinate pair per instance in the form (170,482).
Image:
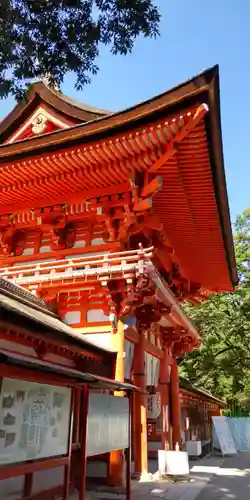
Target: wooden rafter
(172,147)
(97,165)
(66,175)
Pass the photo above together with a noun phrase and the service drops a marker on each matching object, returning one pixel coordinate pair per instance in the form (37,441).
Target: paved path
(201,473)
(212,479)
(231,481)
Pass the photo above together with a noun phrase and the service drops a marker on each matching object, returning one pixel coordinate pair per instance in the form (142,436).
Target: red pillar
(217,412)
(176,407)
(116,458)
(164,384)
(140,409)
(84,422)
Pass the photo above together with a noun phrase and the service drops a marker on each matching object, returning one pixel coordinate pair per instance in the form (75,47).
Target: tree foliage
(53,37)
(222,364)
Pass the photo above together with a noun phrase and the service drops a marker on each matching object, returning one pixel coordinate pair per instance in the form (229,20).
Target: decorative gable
(44,110)
(40,122)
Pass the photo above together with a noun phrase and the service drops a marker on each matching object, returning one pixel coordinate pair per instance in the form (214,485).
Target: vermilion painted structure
(41,353)
(198,407)
(115,219)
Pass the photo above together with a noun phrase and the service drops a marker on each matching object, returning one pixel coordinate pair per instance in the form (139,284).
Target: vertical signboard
(107,424)
(224,436)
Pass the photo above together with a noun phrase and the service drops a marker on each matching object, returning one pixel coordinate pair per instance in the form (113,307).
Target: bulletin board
(107,424)
(34,420)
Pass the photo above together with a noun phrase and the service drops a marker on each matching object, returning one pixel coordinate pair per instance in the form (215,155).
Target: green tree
(53,37)
(222,364)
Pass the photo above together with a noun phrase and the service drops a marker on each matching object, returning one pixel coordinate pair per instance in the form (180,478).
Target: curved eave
(183,96)
(219,177)
(201,89)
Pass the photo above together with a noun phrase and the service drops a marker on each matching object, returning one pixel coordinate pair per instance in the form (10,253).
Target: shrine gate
(116,219)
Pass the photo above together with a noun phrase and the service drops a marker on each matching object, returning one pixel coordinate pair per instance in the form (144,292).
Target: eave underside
(185,205)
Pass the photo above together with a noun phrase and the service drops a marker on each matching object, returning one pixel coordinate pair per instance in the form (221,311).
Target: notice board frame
(128,451)
(29,467)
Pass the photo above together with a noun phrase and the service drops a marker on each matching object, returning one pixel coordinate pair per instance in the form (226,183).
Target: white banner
(240,429)
(223,436)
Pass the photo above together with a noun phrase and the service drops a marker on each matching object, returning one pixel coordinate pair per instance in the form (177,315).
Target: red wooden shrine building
(52,383)
(198,407)
(113,220)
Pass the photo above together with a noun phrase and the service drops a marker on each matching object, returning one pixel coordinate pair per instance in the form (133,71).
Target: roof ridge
(69,100)
(21,294)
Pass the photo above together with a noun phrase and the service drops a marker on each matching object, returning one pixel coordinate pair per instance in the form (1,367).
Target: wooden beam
(143,205)
(152,187)
(94,329)
(153,349)
(14,470)
(182,134)
(28,338)
(132,335)
(77,197)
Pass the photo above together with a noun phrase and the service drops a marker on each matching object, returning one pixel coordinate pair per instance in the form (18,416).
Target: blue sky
(195,35)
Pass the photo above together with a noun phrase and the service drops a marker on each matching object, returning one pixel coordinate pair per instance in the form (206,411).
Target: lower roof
(22,304)
(187,386)
(75,376)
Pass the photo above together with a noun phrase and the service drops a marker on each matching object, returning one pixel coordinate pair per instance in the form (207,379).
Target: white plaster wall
(72,318)
(100,339)
(97,316)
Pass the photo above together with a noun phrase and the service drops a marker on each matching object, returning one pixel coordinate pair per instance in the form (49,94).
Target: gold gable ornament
(39,123)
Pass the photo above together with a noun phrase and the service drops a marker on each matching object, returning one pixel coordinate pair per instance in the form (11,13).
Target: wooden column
(67,466)
(84,420)
(116,458)
(164,385)
(176,407)
(27,487)
(129,450)
(217,412)
(140,409)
